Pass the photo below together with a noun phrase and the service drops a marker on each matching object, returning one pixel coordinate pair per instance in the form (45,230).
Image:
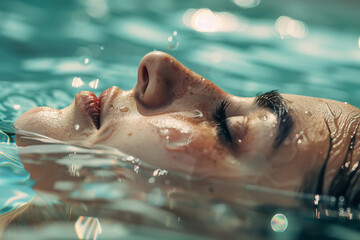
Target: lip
(94,106)
(90,104)
(104,96)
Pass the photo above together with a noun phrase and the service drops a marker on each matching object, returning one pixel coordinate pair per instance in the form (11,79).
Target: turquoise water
(52,50)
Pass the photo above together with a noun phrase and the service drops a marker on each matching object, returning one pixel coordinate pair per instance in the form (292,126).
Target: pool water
(50,50)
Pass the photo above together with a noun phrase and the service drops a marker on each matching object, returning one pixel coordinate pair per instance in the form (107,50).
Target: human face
(175,119)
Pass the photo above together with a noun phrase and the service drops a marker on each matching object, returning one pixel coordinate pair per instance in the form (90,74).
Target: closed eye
(220,118)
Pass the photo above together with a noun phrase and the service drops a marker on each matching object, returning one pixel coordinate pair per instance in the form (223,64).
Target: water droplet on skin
(300,138)
(346,103)
(124,109)
(174,138)
(308,113)
(197,86)
(355,166)
(86,60)
(198,114)
(164,131)
(239,141)
(77,126)
(173,41)
(265,118)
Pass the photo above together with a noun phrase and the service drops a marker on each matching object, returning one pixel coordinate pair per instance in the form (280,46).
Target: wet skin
(169,120)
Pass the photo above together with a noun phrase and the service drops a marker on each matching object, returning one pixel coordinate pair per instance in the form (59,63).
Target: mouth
(90,104)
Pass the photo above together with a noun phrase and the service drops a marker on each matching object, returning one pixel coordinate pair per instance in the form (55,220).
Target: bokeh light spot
(279,222)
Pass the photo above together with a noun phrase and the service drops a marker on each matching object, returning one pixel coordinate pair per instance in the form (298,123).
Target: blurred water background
(50,50)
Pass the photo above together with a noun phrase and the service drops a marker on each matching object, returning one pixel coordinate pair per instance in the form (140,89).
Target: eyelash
(221,120)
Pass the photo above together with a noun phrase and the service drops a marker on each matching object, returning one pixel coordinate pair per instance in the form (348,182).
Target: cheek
(206,149)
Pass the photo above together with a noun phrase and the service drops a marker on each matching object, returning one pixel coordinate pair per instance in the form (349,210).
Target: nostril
(145,77)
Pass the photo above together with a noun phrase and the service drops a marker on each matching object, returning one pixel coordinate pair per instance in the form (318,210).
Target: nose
(161,79)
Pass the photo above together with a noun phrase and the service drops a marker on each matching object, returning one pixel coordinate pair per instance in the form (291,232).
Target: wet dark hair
(346,183)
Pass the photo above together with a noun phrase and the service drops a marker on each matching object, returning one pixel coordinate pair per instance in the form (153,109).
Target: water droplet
(87,228)
(239,141)
(94,84)
(86,60)
(102,48)
(308,113)
(265,118)
(175,138)
(316,200)
(198,114)
(77,126)
(156,197)
(124,109)
(136,169)
(77,82)
(346,103)
(279,222)
(16,106)
(159,172)
(74,170)
(347,164)
(173,41)
(164,131)
(151,180)
(355,166)
(300,138)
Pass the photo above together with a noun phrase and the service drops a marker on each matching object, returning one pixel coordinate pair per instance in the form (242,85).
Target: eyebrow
(273,101)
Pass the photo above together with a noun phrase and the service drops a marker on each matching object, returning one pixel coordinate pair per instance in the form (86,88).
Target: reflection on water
(87,228)
(103,193)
